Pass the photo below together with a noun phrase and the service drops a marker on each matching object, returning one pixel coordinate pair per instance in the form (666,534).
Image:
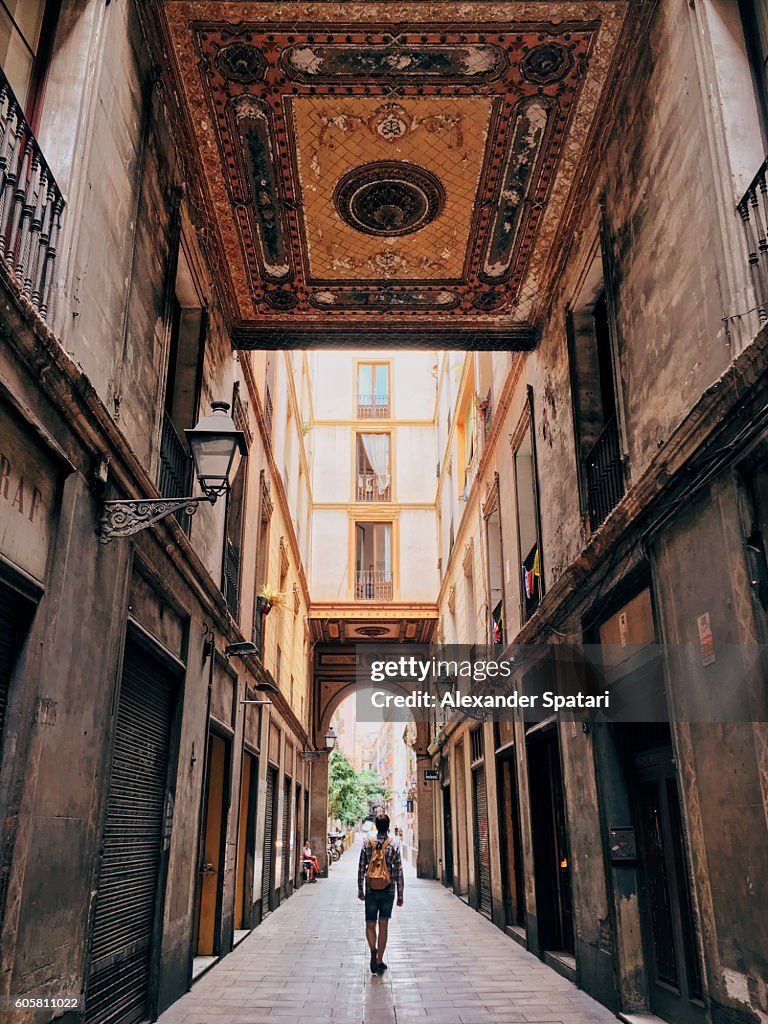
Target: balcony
(368,488)
(373,407)
(175,477)
(373,585)
(31,205)
(268,410)
(753,210)
(604,472)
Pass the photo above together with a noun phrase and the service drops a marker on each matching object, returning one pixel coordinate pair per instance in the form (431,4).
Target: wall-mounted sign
(28,480)
(431,775)
(622,844)
(706,640)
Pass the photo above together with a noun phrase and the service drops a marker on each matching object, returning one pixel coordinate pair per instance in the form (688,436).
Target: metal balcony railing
(368,487)
(175,478)
(373,585)
(604,474)
(268,410)
(372,407)
(31,204)
(232,578)
(753,210)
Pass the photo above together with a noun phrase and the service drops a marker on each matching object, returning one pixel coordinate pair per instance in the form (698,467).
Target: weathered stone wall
(723,776)
(654,204)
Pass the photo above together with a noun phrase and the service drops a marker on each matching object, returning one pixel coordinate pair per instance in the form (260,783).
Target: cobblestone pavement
(308,964)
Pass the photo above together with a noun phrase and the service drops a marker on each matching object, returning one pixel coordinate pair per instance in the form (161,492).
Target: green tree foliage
(349,792)
(373,788)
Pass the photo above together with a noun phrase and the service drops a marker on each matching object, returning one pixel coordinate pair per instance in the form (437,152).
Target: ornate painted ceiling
(388,172)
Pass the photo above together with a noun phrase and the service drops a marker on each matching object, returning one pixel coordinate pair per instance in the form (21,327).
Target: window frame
(757,68)
(527,423)
(32,102)
(373,364)
(238,415)
(362,518)
(356,469)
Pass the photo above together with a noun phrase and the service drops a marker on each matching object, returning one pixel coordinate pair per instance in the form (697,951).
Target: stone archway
(332,684)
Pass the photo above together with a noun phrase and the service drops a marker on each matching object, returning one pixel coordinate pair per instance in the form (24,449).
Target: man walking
(379,876)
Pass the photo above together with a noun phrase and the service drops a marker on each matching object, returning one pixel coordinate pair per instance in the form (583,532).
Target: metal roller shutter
(286,831)
(482,850)
(124,917)
(269,841)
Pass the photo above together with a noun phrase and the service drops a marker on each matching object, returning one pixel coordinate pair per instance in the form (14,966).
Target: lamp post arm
(124,518)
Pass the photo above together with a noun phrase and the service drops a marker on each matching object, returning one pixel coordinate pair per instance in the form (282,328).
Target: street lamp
(330,743)
(214,442)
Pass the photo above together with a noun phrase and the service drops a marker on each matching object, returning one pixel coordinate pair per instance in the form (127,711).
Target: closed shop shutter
(14,615)
(286,831)
(482,850)
(269,841)
(126,900)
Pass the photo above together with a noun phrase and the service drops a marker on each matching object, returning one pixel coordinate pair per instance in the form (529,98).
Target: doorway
(268,868)
(447,838)
(664,888)
(482,848)
(209,940)
(246,844)
(298,845)
(130,886)
(513,889)
(285,840)
(554,909)
(462,847)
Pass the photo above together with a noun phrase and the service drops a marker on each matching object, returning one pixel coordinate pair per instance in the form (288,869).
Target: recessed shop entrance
(246,836)
(664,890)
(270,820)
(554,910)
(512,885)
(447,838)
(130,886)
(209,939)
(642,815)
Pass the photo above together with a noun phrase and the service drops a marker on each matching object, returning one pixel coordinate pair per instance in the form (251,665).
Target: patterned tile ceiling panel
(447,136)
(400,172)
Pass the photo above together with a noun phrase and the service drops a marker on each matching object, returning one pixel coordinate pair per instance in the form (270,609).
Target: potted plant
(270,598)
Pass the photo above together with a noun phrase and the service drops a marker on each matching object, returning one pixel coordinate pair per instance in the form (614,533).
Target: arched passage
(334,680)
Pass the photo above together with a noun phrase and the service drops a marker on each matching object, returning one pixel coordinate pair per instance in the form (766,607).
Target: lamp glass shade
(330,739)
(214,442)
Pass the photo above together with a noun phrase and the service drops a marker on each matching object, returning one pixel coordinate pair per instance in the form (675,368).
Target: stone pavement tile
(307,963)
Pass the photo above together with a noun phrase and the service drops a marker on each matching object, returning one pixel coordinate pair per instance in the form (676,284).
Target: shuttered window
(127,896)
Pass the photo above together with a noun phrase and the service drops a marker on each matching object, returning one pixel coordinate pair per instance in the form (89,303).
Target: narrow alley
(308,964)
(384,435)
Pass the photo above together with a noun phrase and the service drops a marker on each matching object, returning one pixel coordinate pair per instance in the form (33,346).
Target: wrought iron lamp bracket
(311,755)
(124,518)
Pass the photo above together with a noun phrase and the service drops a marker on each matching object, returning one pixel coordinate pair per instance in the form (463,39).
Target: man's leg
(371,913)
(382,943)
